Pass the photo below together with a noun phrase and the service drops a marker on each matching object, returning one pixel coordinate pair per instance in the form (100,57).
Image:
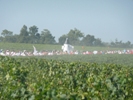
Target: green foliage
(62,39)
(40,79)
(33,30)
(24,31)
(24,35)
(123,59)
(98,42)
(120,44)
(88,40)
(75,37)
(46,37)
(6,33)
(7,36)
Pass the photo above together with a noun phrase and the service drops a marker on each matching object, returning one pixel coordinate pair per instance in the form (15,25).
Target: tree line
(75,37)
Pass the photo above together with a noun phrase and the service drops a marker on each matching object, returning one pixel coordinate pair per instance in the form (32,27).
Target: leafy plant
(38,79)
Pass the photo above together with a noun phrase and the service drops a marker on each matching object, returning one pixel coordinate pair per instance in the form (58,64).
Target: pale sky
(105,19)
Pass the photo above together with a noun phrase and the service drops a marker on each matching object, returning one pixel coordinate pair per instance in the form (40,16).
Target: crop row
(40,47)
(41,79)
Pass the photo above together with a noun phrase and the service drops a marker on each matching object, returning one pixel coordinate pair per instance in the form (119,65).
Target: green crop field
(65,77)
(32,78)
(40,47)
(123,59)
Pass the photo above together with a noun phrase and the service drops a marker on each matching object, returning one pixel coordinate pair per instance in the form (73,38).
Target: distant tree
(88,40)
(12,39)
(98,42)
(33,34)
(112,44)
(62,39)
(6,33)
(15,38)
(24,35)
(24,31)
(46,37)
(74,36)
(33,30)
(120,44)
(1,39)
(127,44)
(7,36)
(37,37)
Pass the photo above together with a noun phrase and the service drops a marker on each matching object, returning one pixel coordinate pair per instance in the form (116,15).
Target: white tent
(67,47)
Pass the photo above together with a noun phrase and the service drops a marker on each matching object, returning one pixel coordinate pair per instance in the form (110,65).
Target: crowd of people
(57,52)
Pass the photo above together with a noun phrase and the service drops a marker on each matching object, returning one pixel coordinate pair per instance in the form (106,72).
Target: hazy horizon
(105,19)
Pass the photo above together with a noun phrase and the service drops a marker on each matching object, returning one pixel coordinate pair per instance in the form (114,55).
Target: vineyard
(30,78)
(28,47)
